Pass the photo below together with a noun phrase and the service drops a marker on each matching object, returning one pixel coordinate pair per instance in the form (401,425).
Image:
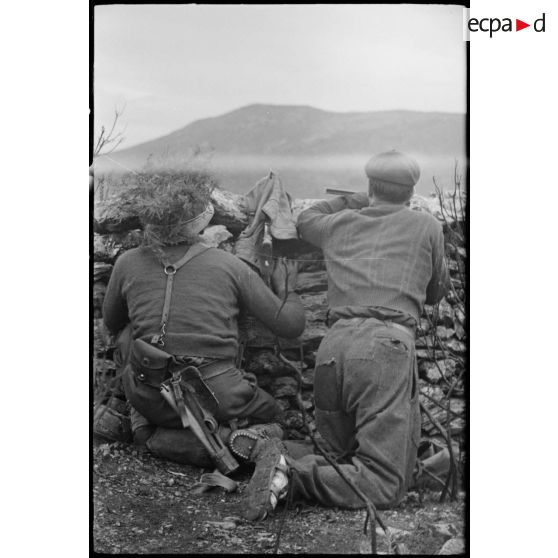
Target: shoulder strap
(170,270)
(192,252)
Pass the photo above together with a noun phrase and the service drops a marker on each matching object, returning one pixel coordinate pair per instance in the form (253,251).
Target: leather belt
(406,329)
(215,368)
(388,323)
(208,370)
(386,317)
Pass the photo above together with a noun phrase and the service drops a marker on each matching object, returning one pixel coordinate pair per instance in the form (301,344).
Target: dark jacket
(382,254)
(208,293)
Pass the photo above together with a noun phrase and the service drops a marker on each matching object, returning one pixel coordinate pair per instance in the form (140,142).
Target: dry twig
(111,137)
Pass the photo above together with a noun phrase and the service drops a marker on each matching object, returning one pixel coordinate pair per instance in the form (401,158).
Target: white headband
(199,222)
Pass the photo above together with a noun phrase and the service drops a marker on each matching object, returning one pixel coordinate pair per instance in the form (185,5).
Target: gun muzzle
(336,192)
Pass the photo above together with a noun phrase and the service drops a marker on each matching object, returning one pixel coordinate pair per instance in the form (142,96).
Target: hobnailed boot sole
(267,456)
(243,441)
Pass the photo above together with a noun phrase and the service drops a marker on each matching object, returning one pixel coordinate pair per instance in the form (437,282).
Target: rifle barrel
(336,192)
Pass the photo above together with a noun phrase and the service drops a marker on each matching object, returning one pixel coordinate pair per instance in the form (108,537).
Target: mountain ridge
(267,113)
(310,145)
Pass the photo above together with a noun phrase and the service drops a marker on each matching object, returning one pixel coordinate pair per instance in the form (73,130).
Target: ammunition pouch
(150,364)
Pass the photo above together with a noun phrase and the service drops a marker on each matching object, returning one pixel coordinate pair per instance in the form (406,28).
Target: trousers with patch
(367,410)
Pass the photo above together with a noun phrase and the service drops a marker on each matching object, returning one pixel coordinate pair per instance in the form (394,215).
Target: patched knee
(326,392)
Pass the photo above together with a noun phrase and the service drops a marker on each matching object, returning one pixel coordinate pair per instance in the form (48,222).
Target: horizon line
(259,104)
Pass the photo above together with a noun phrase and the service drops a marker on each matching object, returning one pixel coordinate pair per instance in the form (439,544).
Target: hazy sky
(170,65)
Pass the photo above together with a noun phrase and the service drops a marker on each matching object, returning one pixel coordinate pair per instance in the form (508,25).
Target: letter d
(535,25)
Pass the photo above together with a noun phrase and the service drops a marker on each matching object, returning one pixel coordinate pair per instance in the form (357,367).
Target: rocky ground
(145,505)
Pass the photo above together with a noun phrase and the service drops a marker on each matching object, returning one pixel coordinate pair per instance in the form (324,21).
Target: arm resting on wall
(312,223)
(286,320)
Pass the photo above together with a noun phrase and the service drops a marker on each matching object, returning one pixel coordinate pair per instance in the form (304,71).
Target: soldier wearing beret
(384,262)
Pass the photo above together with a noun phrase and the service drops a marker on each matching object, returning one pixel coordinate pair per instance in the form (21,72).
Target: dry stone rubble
(441,337)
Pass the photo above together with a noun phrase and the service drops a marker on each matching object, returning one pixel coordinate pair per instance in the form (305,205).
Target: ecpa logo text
(494,24)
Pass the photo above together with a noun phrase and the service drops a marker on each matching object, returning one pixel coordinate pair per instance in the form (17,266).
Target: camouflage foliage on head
(166,201)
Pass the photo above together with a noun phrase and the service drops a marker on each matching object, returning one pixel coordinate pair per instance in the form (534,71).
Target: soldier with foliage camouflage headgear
(195,321)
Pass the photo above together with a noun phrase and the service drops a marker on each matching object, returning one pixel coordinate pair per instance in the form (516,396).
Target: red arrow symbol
(519,25)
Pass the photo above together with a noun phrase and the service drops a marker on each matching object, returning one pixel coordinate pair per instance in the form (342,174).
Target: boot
(243,441)
(261,444)
(111,421)
(436,461)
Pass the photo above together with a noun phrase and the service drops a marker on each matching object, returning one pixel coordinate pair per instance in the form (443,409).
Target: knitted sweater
(208,294)
(380,254)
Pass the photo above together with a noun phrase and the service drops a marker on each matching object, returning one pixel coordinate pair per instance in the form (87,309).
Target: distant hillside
(311,149)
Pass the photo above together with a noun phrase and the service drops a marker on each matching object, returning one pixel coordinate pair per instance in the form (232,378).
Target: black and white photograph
(280,268)
(305,302)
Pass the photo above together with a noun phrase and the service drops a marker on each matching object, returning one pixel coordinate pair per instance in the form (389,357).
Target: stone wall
(441,341)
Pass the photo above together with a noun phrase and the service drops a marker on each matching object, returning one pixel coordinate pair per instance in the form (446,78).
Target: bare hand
(357,200)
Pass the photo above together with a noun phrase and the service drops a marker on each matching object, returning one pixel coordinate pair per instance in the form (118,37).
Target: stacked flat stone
(441,339)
